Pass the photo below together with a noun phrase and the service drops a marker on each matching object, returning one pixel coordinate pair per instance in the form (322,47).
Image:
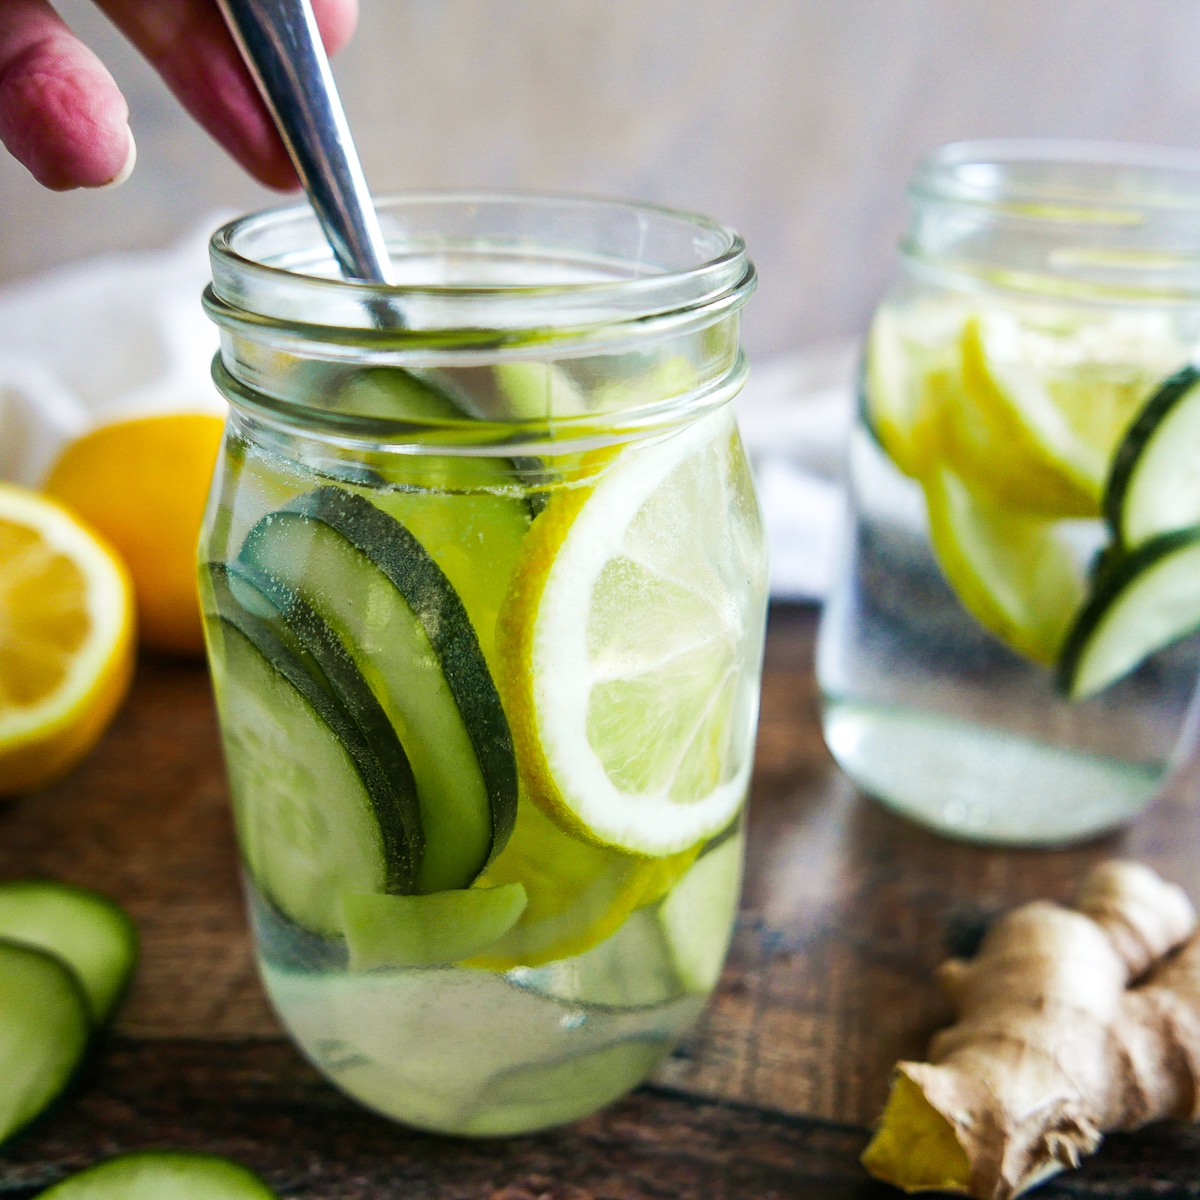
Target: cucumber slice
(403,622)
(299,625)
(396,394)
(316,817)
(44,1031)
(88,931)
(163,1175)
(428,931)
(1140,604)
(1154,484)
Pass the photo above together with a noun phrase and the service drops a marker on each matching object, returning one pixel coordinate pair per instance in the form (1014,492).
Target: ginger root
(1052,1046)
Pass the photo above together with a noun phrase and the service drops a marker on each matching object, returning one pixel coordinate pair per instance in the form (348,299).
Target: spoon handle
(282,47)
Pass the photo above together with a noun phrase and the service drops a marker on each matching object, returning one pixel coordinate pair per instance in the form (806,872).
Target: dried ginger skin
(1162,1026)
(1143,915)
(1051,1047)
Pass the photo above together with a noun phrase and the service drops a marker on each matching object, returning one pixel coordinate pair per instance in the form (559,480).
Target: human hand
(63,116)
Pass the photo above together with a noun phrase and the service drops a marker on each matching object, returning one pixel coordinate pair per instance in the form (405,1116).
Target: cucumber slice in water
(163,1175)
(329,662)
(404,624)
(88,931)
(1141,604)
(428,931)
(44,1031)
(316,816)
(1154,484)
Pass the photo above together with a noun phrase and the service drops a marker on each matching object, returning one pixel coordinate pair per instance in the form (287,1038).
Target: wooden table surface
(846,911)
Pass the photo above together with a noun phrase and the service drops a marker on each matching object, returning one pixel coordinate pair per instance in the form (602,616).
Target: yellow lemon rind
(39,744)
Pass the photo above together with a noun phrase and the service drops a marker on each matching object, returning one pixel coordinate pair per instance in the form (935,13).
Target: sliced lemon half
(66,639)
(631,640)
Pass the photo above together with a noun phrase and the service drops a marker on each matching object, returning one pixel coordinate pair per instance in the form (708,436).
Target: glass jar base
(982,785)
(467,1051)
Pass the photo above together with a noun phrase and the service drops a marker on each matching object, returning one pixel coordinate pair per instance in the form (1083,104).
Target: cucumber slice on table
(1140,604)
(44,1031)
(88,931)
(316,815)
(409,634)
(162,1175)
(1154,484)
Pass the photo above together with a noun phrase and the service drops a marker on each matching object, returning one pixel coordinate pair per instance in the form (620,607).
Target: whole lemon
(143,485)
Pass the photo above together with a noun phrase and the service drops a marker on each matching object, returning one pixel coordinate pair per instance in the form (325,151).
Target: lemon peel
(66,639)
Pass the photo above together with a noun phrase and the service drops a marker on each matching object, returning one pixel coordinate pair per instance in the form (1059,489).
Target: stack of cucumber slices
(66,957)
(1145,590)
(370,760)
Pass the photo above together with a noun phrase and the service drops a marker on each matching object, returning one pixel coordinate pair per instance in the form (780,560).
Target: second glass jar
(1007,655)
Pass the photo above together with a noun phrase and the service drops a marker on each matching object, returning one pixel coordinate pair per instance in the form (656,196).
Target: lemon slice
(66,639)
(631,638)
(1014,573)
(912,360)
(1047,403)
(578,893)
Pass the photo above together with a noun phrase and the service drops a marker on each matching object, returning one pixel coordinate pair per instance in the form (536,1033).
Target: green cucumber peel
(1114,587)
(1138,437)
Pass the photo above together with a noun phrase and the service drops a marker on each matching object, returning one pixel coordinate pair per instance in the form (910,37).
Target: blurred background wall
(797,121)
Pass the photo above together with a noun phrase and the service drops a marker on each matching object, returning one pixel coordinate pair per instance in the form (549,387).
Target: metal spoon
(282,47)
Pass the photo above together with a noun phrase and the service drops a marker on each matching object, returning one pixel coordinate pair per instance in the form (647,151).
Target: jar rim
(643,262)
(1063,175)
(1087,222)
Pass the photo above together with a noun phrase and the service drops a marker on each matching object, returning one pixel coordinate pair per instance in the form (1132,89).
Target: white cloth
(117,336)
(124,335)
(795,414)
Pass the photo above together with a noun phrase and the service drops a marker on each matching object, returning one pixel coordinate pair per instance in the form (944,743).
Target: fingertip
(127,167)
(337,20)
(63,116)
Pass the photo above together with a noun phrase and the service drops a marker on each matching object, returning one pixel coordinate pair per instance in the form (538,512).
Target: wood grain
(260,1104)
(846,911)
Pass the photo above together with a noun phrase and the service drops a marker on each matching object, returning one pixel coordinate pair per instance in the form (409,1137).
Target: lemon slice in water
(912,360)
(578,893)
(1045,406)
(1013,572)
(632,636)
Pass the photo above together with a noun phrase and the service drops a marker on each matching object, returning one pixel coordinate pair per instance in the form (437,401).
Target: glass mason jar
(1006,656)
(484,588)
